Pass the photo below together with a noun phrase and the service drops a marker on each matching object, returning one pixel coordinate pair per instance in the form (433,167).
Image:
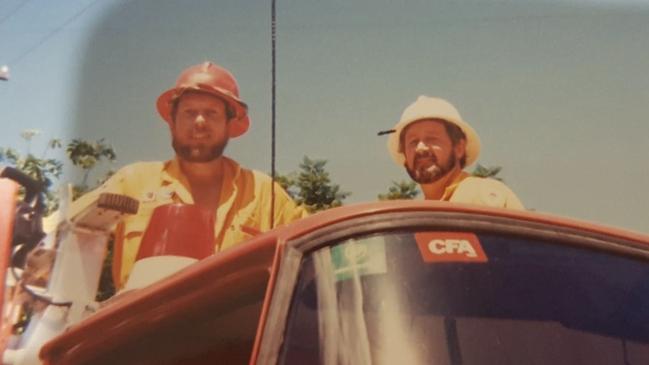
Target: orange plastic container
(179,230)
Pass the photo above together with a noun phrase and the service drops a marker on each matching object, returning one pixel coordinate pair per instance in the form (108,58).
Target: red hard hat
(212,79)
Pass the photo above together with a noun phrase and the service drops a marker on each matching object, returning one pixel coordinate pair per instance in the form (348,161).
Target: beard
(199,152)
(427,173)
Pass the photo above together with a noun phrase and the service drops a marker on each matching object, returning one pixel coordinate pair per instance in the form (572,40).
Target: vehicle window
(425,298)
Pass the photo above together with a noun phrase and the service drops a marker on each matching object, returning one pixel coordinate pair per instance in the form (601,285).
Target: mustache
(425,155)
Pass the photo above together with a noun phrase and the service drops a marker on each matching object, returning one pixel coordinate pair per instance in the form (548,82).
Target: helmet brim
(241,122)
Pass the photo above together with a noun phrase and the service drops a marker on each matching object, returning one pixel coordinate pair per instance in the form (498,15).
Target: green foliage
(401,190)
(82,154)
(86,155)
(312,187)
(45,170)
(491,172)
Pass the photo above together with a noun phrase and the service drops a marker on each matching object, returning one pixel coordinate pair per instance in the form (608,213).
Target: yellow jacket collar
(173,177)
(448,192)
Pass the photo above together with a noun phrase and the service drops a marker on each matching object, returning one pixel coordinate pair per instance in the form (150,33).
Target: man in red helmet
(434,144)
(203,111)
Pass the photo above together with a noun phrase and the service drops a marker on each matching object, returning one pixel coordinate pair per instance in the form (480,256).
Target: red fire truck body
(411,281)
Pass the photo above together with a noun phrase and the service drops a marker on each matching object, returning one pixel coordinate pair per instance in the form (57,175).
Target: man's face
(200,128)
(430,153)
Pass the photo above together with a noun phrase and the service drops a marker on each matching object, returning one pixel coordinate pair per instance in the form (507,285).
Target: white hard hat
(427,107)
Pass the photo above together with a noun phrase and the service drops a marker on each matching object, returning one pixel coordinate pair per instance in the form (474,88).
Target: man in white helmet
(434,144)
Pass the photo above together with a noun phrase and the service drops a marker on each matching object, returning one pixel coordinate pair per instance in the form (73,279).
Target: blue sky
(558,90)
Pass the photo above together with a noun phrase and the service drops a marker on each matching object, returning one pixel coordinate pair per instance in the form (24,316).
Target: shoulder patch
(492,194)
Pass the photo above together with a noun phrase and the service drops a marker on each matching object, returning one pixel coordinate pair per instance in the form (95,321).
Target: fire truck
(399,282)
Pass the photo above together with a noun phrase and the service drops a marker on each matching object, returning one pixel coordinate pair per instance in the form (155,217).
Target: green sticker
(360,258)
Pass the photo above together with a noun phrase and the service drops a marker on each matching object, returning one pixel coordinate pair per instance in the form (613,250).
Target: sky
(558,90)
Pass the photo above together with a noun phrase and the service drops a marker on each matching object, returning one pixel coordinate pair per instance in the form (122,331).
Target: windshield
(460,298)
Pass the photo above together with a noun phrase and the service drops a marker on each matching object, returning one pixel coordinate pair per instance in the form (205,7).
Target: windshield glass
(458,298)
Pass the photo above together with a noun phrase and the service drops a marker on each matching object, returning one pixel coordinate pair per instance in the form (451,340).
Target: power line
(53,33)
(273,37)
(14,11)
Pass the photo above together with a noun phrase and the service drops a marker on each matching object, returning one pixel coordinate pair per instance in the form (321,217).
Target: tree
(44,170)
(491,172)
(400,190)
(312,187)
(82,154)
(86,155)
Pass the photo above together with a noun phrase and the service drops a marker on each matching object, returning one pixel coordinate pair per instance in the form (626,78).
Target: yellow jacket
(481,191)
(243,212)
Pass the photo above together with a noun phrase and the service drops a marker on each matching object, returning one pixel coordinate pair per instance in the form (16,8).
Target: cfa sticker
(450,247)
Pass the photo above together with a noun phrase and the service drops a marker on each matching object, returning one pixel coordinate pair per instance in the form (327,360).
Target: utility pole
(4,73)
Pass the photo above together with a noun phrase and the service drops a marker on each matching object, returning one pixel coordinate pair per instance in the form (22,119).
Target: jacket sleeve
(486,192)
(286,210)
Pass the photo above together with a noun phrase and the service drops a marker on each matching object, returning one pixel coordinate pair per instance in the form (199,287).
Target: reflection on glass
(382,299)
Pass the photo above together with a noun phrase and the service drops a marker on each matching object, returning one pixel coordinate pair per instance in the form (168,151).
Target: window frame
(272,342)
